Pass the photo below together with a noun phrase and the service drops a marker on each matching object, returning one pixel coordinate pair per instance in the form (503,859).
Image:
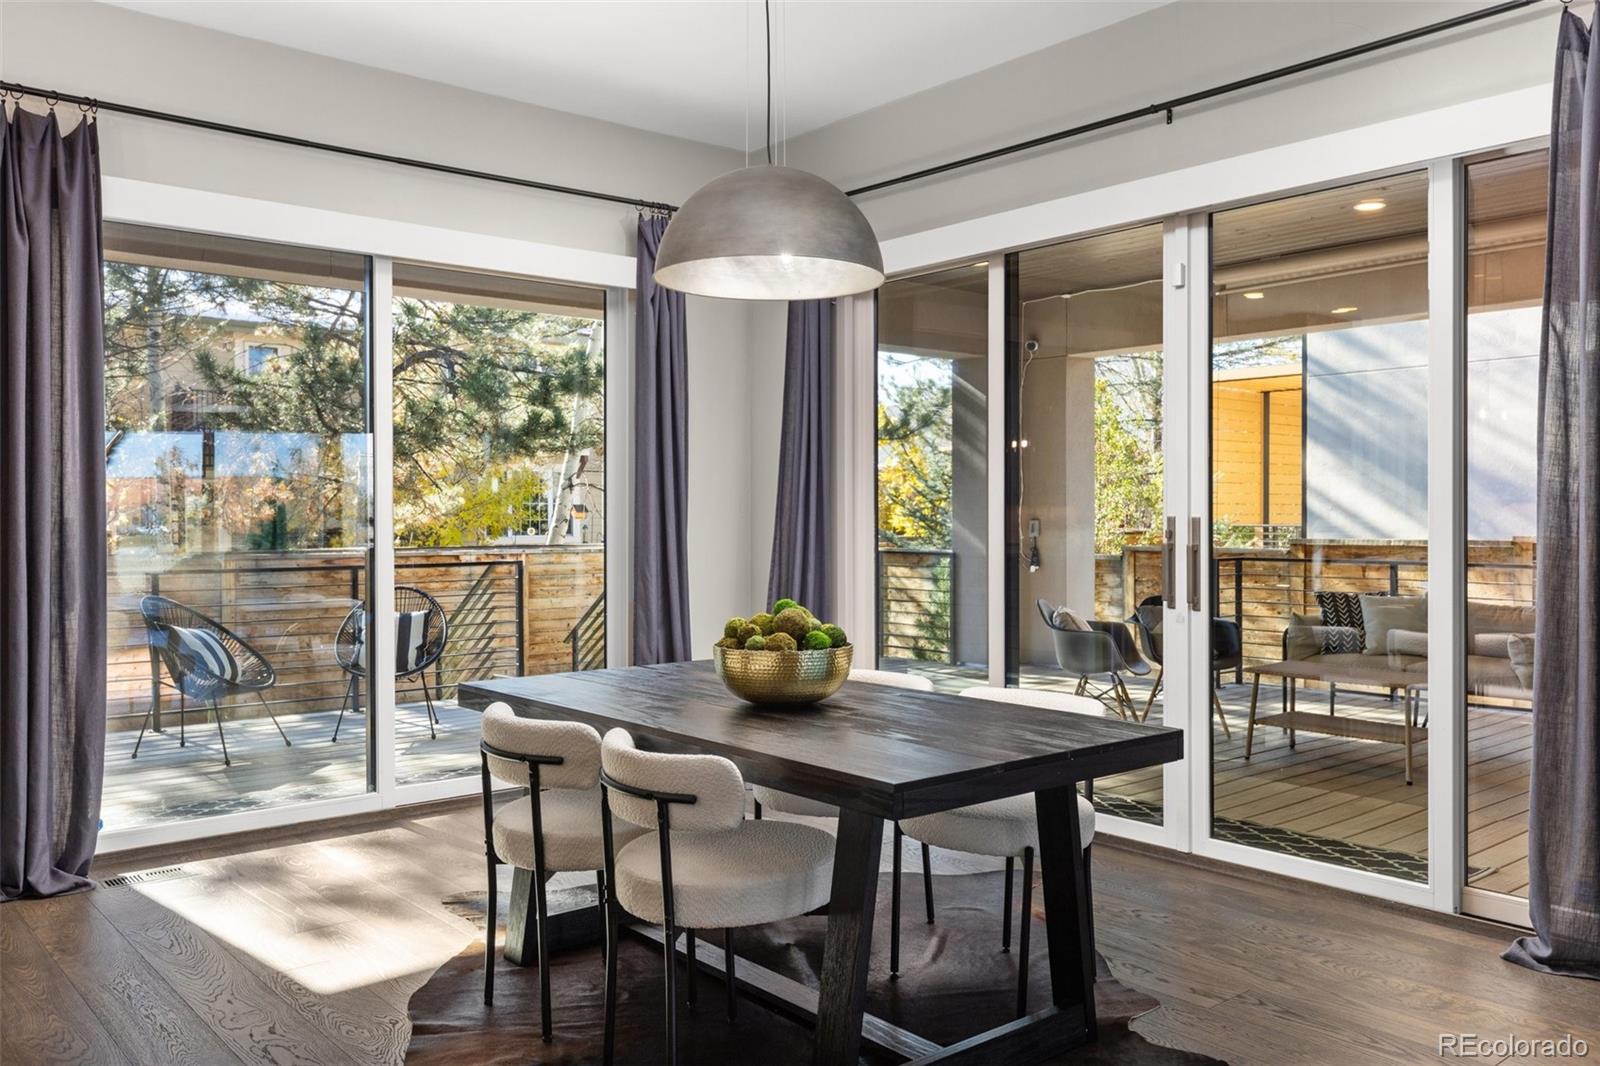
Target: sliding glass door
(499,496)
(238,510)
(1505,254)
(1319,525)
(1089,447)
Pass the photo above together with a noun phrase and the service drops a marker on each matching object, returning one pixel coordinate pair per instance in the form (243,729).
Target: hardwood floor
(304,948)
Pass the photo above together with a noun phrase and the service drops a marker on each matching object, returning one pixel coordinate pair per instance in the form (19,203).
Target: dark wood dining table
(880,754)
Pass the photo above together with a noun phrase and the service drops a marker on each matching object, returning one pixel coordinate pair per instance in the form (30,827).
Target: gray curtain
(803,524)
(53,520)
(1564,819)
(660,464)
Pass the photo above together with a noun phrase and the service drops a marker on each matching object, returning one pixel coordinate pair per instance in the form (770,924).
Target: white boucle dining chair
(557,828)
(770,799)
(1004,828)
(701,865)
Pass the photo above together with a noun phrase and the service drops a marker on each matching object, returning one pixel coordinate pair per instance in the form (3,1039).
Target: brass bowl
(804,676)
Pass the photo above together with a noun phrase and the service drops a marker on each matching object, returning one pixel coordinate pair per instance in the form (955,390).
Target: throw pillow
(1520,645)
(203,651)
(410,640)
(1380,614)
(1341,621)
(1067,618)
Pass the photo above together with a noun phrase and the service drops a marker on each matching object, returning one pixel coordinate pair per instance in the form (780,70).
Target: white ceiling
(673,66)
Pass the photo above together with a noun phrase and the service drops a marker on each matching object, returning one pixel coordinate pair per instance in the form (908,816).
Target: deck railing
(507,609)
(916,611)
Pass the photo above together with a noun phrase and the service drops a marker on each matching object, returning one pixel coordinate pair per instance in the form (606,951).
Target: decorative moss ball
(747,631)
(794,622)
(783,605)
(836,636)
(731,627)
(756,643)
(728,642)
(762,621)
(817,640)
(781,642)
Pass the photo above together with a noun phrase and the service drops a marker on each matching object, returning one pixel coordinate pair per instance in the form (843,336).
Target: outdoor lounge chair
(1226,649)
(205,661)
(1105,649)
(421,632)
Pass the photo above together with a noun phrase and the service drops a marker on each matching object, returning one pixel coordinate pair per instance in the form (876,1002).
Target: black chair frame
(614,915)
(1225,654)
(541,911)
(193,679)
(433,652)
(1026,918)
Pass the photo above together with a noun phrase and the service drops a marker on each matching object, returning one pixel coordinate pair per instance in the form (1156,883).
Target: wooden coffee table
(1379,675)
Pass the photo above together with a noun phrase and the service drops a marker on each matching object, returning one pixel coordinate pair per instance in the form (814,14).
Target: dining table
(880,754)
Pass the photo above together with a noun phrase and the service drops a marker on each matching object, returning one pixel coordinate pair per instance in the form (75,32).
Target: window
(932,476)
(237,523)
(258,356)
(499,491)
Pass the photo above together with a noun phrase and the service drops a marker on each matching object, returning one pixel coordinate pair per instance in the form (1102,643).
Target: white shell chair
(770,799)
(559,826)
(701,867)
(1004,828)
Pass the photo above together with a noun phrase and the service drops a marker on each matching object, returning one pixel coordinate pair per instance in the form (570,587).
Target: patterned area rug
(954,982)
(1384,861)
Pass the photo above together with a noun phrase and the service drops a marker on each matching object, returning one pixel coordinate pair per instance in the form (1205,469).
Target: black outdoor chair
(1105,649)
(416,650)
(205,661)
(1226,651)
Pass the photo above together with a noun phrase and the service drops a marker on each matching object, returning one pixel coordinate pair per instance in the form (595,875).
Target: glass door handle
(1194,564)
(1169,597)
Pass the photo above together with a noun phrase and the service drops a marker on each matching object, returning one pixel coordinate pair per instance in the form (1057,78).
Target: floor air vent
(144,877)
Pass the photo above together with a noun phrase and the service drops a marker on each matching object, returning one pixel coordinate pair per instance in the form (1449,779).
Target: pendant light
(769,233)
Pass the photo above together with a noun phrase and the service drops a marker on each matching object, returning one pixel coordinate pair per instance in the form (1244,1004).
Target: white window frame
(383,241)
(1183,200)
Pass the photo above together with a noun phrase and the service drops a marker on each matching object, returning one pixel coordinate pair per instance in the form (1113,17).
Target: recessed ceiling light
(1343,310)
(1255,296)
(981,263)
(1367,206)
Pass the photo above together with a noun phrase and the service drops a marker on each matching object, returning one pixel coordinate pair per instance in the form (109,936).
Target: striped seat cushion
(410,641)
(201,651)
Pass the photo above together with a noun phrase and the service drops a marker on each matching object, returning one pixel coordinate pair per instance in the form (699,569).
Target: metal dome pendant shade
(769,233)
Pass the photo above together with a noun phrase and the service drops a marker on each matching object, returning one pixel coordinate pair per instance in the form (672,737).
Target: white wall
(114,54)
(1179,48)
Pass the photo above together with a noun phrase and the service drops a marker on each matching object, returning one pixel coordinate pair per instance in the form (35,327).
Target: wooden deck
(1335,798)
(1344,790)
(168,782)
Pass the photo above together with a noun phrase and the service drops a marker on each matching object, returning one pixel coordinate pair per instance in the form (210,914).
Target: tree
(915,426)
(487,400)
(1128,463)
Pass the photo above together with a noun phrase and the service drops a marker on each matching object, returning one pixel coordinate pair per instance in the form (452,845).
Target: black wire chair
(1105,649)
(1226,651)
(240,667)
(349,648)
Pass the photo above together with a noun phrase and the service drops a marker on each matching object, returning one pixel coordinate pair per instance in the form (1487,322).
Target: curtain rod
(1169,106)
(90,104)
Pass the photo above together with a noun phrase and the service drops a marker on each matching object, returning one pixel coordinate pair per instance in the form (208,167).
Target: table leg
(848,948)
(572,919)
(1412,700)
(1293,690)
(1069,929)
(1250,727)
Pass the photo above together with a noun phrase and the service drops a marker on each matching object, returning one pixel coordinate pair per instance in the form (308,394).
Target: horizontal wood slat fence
(510,612)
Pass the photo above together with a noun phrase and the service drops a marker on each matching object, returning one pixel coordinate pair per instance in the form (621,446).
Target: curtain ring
(52,100)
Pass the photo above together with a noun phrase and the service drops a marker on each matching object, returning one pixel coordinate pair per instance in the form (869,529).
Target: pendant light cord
(768,6)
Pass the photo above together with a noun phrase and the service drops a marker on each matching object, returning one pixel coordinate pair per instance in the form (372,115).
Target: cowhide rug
(954,982)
